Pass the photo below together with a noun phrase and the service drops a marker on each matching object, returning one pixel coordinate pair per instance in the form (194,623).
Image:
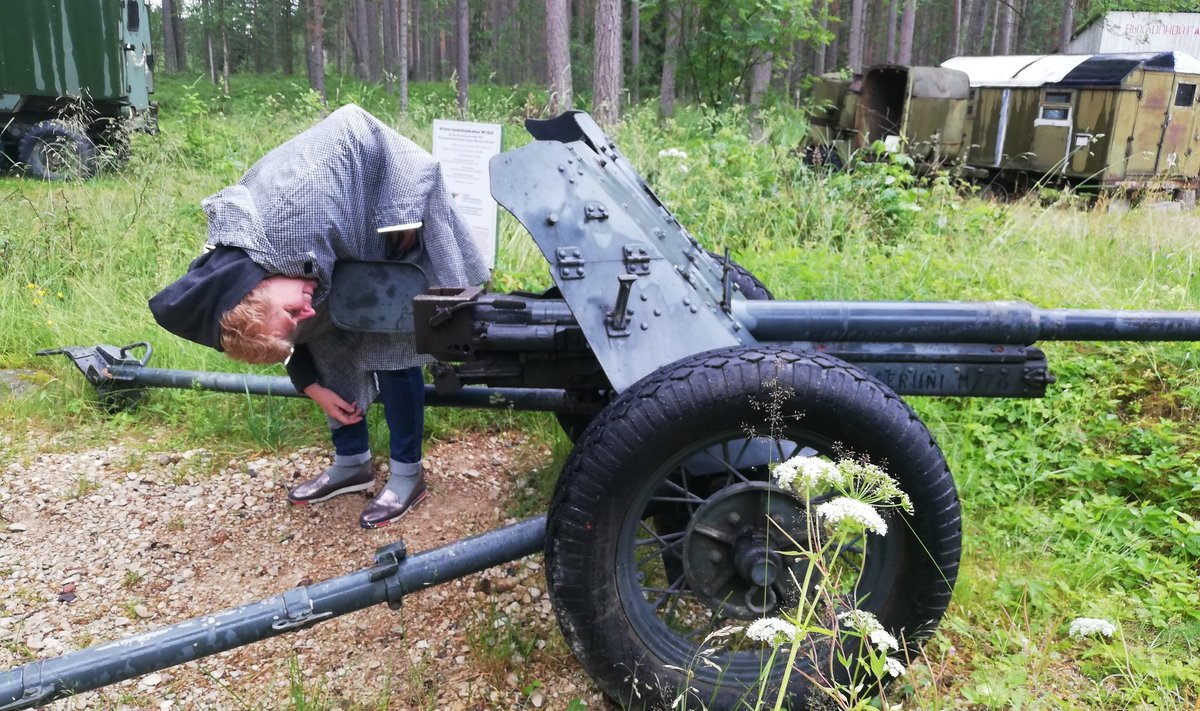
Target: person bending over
(349,188)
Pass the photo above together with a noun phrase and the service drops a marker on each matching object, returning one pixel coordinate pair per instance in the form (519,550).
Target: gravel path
(104,543)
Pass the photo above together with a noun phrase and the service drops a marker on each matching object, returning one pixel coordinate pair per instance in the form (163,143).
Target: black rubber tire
(685,410)
(749,285)
(53,150)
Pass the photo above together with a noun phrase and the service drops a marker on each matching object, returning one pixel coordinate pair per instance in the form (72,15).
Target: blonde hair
(246,333)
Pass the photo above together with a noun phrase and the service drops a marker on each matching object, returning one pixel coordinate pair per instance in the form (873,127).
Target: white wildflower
(870,628)
(683,168)
(884,641)
(673,153)
(772,631)
(844,508)
(807,474)
(1084,626)
(893,667)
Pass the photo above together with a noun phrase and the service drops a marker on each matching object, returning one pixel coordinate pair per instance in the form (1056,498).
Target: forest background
(598,54)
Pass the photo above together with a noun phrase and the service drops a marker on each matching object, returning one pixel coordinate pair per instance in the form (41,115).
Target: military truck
(76,77)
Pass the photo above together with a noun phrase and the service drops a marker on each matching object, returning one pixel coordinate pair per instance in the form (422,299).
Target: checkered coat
(319,198)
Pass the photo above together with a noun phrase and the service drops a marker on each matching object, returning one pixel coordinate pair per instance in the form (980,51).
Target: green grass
(1081,504)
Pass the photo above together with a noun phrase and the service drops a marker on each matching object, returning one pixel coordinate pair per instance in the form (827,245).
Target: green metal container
(75,75)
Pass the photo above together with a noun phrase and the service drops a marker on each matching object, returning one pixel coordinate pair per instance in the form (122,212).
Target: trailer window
(1056,107)
(132,16)
(1185,95)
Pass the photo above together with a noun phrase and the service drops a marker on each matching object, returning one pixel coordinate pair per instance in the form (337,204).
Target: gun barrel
(998,322)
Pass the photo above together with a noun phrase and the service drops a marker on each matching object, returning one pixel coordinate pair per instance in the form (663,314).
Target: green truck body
(74,75)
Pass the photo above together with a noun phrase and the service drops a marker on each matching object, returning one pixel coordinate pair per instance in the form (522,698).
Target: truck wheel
(659,523)
(53,150)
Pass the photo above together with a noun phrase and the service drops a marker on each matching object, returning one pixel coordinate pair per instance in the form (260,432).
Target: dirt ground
(97,545)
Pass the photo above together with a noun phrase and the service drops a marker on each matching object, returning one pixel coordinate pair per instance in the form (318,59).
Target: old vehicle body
(665,525)
(924,109)
(1113,120)
(831,123)
(75,75)
(920,110)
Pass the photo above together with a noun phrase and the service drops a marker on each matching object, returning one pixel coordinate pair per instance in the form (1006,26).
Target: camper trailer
(1107,120)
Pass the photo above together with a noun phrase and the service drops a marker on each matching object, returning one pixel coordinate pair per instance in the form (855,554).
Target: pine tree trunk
(1006,28)
(892,16)
(287,53)
(224,49)
(558,54)
(404,35)
(833,59)
(635,46)
(313,12)
(760,80)
(181,59)
(463,56)
(908,24)
(389,44)
(374,42)
(671,16)
(1067,28)
(606,77)
(819,7)
(170,54)
(854,40)
(956,32)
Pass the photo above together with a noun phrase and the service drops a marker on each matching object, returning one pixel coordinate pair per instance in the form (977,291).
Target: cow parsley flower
(772,631)
(806,475)
(870,628)
(844,511)
(1084,626)
(893,667)
(673,153)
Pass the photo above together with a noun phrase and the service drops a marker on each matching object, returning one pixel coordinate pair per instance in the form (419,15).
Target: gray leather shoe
(398,497)
(334,481)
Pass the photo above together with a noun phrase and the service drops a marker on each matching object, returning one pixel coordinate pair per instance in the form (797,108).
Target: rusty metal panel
(986,123)
(1092,138)
(1020,147)
(829,95)
(1147,135)
(1177,157)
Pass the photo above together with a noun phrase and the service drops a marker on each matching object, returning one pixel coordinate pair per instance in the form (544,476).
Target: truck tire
(53,150)
(641,531)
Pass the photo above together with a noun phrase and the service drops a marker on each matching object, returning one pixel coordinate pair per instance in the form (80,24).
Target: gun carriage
(657,357)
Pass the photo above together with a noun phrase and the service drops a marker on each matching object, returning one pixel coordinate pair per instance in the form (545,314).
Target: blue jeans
(402,393)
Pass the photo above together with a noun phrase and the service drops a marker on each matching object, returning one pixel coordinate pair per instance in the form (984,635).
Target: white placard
(464,149)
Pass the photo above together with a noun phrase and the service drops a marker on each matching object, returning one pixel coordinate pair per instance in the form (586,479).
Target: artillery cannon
(665,524)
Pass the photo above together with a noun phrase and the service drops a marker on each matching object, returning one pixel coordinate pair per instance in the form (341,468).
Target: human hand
(344,412)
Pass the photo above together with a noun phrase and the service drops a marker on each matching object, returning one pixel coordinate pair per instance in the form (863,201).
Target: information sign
(464,149)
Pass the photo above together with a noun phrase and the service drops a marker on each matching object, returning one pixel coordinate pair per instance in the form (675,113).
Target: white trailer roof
(1041,69)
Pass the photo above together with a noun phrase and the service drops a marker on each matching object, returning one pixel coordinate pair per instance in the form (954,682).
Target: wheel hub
(734,550)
